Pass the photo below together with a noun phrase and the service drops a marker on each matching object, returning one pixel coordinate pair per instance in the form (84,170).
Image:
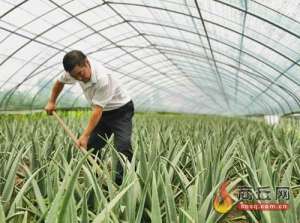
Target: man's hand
(57,88)
(50,107)
(83,141)
(93,121)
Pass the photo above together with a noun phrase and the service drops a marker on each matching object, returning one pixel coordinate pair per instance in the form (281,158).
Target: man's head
(76,63)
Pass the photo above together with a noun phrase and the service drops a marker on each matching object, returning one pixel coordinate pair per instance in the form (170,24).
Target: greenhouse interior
(175,111)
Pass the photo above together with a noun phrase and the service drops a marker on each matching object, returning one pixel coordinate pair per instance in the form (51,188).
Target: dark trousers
(119,123)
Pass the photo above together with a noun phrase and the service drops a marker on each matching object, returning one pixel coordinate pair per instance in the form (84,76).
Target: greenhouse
(150,111)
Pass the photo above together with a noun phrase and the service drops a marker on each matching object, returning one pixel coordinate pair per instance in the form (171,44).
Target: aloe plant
(179,163)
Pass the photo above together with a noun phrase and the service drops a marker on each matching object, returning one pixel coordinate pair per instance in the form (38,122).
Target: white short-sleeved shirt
(102,89)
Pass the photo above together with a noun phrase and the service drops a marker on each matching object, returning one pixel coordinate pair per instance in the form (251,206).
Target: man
(112,108)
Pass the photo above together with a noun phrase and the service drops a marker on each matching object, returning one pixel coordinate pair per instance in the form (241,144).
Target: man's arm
(57,88)
(93,121)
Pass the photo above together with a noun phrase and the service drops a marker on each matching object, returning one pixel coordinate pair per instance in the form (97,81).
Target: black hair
(73,58)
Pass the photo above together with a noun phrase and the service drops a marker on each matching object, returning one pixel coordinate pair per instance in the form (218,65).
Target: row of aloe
(179,164)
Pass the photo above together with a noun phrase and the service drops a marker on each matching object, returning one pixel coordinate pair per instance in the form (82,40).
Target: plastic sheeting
(214,57)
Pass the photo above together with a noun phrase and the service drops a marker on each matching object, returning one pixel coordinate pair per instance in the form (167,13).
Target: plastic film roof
(205,56)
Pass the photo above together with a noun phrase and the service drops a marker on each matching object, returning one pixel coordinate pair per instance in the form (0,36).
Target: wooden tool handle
(68,131)
(73,137)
